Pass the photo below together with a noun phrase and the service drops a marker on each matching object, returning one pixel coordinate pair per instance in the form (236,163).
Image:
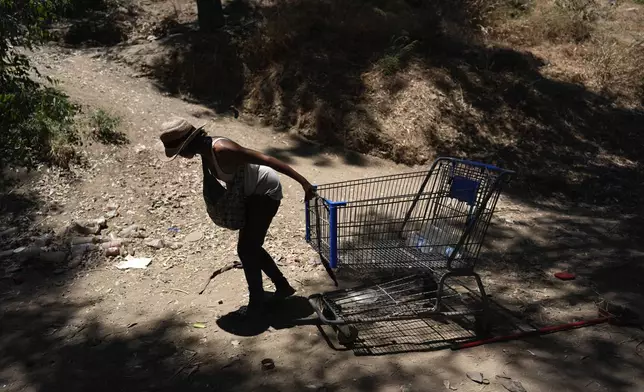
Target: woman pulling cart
(248,202)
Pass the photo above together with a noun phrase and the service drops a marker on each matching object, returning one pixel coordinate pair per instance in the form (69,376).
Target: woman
(222,158)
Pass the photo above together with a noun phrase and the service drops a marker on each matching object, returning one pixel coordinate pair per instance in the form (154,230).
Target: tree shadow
(50,340)
(95,23)
(304,65)
(566,143)
(307,149)
(203,68)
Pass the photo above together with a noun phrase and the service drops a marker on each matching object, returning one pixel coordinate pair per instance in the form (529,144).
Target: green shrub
(37,120)
(103,128)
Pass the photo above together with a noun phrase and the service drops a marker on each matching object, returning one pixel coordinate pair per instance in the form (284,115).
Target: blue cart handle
(481,164)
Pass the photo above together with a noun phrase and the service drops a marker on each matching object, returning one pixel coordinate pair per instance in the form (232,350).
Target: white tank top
(258,179)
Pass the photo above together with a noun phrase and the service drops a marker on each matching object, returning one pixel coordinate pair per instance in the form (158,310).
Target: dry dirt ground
(95,327)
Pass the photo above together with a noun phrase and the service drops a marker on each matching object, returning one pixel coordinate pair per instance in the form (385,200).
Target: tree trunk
(211,15)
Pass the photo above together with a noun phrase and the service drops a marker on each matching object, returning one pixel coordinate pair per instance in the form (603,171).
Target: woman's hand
(309,191)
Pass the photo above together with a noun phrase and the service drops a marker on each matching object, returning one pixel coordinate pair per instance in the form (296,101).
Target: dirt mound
(95,23)
(409,81)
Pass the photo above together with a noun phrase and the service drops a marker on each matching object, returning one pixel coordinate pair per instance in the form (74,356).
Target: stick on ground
(218,271)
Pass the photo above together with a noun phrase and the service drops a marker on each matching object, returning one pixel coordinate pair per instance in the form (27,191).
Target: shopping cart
(409,232)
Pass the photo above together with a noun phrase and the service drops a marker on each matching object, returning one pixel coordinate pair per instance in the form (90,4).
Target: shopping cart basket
(419,228)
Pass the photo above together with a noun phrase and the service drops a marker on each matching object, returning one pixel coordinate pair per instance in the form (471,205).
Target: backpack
(226,206)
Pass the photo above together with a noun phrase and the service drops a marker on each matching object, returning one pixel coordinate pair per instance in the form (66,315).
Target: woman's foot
(283,292)
(252,310)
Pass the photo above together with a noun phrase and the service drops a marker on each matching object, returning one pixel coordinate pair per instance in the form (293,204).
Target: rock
(477,377)
(194,236)
(8,232)
(510,384)
(102,222)
(316,388)
(154,243)
(53,257)
(113,251)
(133,231)
(221,302)
(115,243)
(75,262)
(111,214)
(30,252)
(85,240)
(89,227)
(80,249)
(175,245)
(449,386)
(43,240)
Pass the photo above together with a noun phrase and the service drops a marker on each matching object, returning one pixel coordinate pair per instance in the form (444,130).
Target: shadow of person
(286,313)
(239,324)
(291,312)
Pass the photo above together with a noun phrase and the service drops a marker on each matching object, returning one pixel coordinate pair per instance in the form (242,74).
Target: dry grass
(63,154)
(535,22)
(616,67)
(408,80)
(592,42)
(306,61)
(567,21)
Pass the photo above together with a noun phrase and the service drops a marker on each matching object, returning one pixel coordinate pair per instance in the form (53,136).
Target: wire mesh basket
(429,224)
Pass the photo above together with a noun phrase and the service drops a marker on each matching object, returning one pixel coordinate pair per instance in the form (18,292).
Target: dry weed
(616,67)
(567,21)
(533,22)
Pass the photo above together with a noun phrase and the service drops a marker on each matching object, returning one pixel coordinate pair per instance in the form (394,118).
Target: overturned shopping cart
(404,236)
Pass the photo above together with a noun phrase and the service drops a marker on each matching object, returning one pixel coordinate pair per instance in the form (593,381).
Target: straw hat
(176,134)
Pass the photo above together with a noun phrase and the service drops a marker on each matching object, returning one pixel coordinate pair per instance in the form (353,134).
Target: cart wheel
(481,326)
(347,334)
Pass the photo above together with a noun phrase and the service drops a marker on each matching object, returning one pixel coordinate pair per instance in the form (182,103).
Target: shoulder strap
(204,167)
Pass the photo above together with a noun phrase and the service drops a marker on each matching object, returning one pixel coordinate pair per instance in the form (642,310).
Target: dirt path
(100,328)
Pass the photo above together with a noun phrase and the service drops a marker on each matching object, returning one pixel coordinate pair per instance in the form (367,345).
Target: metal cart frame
(419,229)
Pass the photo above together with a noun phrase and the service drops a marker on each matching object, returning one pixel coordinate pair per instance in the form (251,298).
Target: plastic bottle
(435,238)
(416,240)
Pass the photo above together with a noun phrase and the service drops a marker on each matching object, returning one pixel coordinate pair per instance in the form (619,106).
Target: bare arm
(237,155)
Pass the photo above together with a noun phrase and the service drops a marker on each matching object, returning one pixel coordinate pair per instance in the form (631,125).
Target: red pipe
(534,332)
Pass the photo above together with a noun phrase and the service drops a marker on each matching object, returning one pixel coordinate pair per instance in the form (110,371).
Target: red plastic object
(565,275)
(533,332)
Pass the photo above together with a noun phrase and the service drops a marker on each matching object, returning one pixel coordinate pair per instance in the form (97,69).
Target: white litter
(134,262)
